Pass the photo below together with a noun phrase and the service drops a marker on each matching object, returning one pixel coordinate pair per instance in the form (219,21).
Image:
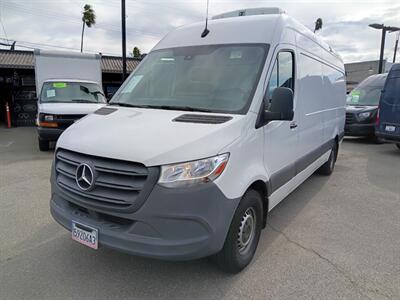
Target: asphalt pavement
(335,237)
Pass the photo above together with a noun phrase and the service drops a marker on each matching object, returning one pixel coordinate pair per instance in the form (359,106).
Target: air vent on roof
(202,119)
(250,12)
(104,111)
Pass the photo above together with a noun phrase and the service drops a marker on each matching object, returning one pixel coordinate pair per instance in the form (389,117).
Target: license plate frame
(390,128)
(85,235)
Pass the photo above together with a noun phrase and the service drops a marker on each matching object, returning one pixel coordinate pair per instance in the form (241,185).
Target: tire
(377,140)
(44,145)
(398,146)
(327,168)
(243,235)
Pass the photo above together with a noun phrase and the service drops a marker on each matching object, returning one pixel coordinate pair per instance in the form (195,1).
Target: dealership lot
(335,237)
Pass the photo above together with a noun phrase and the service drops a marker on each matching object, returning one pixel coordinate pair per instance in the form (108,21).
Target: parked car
(69,88)
(362,107)
(388,123)
(204,138)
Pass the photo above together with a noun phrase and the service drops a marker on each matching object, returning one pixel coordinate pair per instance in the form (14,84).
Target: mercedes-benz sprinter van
(388,123)
(211,131)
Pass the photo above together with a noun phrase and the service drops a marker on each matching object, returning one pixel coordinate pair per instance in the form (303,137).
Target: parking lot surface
(334,237)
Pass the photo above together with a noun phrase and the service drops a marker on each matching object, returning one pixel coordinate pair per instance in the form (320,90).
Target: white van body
(58,68)
(271,158)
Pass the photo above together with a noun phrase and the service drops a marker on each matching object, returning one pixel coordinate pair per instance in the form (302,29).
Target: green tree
(136,52)
(88,19)
(318,25)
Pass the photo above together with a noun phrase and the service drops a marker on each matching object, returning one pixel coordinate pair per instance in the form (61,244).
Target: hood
(149,136)
(360,108)
(69,108)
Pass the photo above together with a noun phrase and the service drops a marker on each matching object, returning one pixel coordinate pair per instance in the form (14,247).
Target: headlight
(364,115)
(48,118)
(192,172)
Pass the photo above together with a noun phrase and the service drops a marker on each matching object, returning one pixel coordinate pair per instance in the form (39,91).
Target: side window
(282,74)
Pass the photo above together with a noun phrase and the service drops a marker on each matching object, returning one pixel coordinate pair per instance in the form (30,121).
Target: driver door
(281,138)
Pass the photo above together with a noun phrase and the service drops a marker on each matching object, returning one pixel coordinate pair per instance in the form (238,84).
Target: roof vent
(202,119)
(250,12)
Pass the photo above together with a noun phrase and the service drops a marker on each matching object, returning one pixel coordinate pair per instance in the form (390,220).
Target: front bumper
(389,138)
(172,224)
(49,134)
(359,129)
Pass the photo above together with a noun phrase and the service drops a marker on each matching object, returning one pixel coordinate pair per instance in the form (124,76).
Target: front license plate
(85,235)
(390,128)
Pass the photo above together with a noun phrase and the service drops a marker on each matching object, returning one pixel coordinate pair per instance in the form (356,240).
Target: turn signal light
(378,116)
(48,124)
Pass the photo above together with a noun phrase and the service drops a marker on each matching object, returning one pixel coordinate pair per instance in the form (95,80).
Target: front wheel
(327,168)
(243,235)
(398,146)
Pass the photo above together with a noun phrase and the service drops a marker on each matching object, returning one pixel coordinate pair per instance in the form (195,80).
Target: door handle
(293,125)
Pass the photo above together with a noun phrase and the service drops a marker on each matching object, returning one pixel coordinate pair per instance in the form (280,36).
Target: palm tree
(136,52)
(88,19)
(318,24)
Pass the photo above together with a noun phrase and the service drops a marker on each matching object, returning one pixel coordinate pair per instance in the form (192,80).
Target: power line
(55,15)
(31,45)
(1,21)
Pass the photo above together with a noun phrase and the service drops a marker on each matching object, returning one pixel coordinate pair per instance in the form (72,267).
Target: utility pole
(384,29)
(382,50)
(396,45)
(123,19)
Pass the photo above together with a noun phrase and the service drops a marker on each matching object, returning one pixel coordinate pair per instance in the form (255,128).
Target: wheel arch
(261,187)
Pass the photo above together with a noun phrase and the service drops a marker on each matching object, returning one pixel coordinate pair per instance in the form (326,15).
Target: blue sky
(47,23)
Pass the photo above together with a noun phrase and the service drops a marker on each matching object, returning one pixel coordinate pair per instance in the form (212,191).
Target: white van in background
(208,134)
(69,87)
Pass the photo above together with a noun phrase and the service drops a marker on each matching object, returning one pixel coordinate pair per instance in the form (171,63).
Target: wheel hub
(246,230)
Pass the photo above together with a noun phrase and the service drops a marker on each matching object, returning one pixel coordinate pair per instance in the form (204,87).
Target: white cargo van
(203,139)
(68,88)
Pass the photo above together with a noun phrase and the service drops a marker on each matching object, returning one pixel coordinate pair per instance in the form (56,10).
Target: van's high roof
(262,25)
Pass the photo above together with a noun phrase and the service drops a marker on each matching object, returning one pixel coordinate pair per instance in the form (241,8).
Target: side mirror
(281,108)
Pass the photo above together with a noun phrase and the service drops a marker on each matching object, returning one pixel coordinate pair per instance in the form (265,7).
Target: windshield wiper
(185,108)
(83,101)
(166,107)
(123,104)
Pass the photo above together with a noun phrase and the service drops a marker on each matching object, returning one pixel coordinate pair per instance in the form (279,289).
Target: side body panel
(389,114)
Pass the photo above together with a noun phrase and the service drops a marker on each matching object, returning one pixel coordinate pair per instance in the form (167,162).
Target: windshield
(368,92)
(391,96)
(78,92)
(217,78)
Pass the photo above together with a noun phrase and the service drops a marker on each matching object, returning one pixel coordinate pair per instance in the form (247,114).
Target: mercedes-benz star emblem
(84,177)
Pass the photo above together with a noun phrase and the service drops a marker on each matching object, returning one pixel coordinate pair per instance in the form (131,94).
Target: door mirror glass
(281,107)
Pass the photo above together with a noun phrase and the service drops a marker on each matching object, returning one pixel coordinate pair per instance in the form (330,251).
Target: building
(17,83)
(358,71)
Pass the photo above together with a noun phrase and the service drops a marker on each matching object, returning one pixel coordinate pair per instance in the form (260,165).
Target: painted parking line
(6,144)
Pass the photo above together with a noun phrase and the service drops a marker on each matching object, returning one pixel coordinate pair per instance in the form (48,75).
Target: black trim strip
(287,173)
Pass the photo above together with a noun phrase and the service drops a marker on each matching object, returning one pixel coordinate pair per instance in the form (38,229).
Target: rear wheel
(244,234)
(398,146)
(327,168)
(44,145)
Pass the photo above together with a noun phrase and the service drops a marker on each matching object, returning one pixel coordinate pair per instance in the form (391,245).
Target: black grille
(118,184)
(350,118)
